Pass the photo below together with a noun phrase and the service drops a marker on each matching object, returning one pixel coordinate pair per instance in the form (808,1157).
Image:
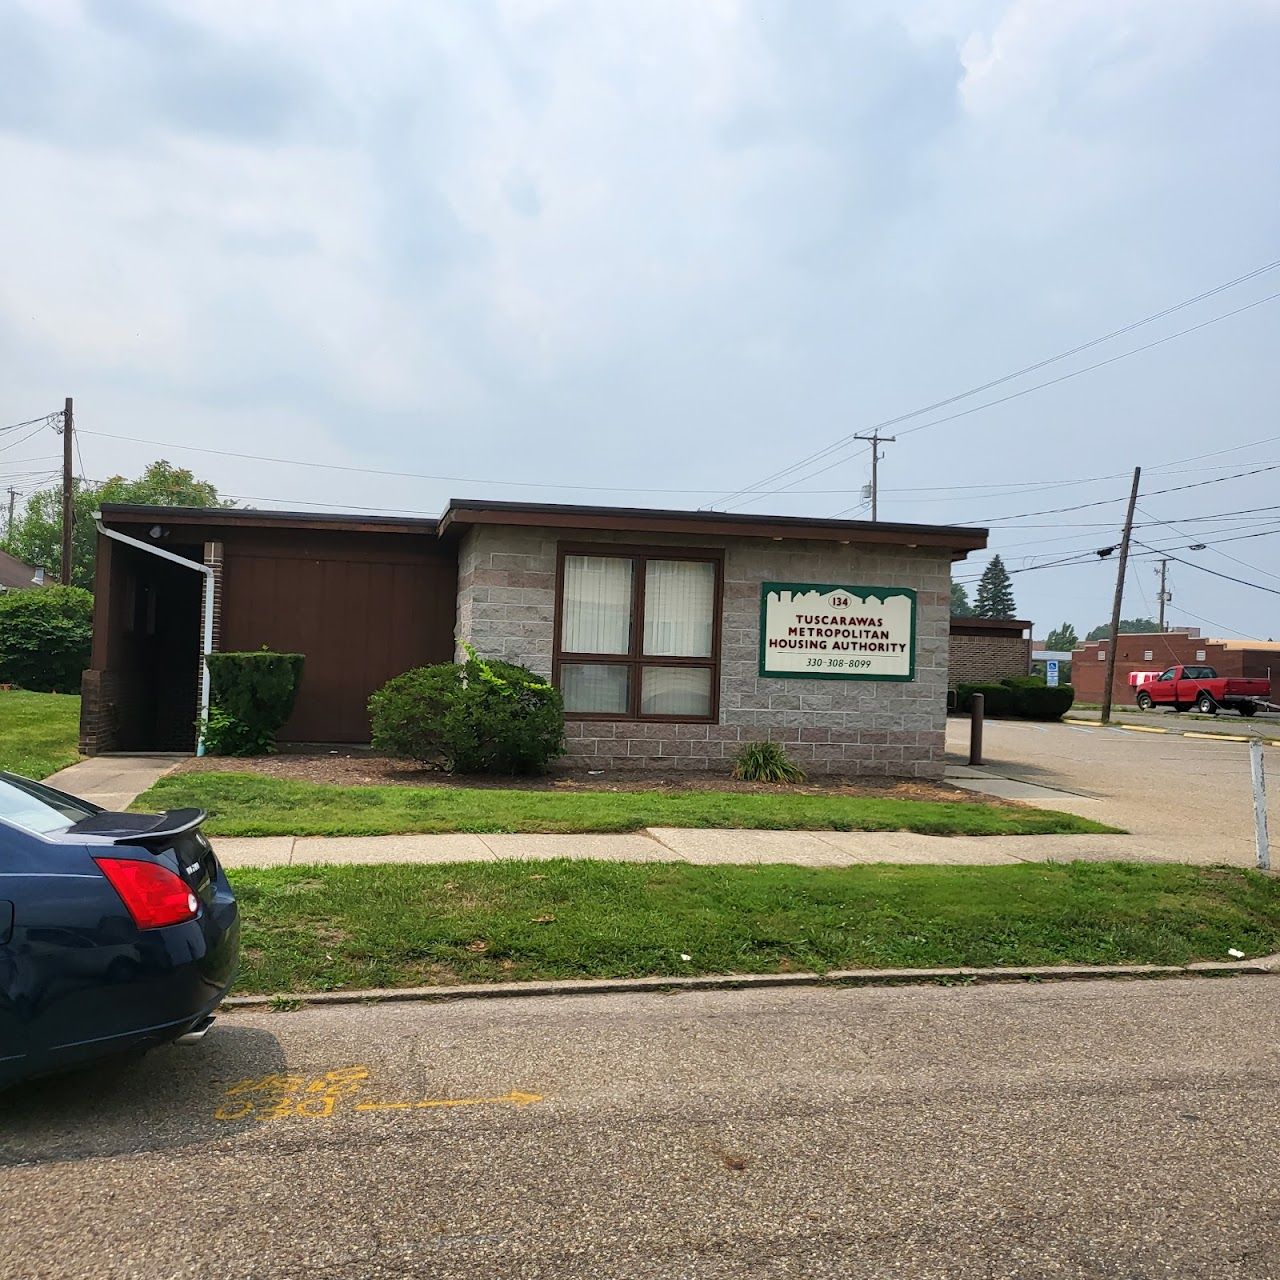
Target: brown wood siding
(361,607)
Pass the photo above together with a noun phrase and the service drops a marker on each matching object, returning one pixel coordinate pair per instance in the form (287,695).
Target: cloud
(643,242)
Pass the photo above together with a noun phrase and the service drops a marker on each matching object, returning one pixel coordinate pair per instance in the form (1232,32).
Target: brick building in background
(986,650)
(1156,651)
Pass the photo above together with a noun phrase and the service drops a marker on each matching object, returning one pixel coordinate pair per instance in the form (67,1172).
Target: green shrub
(250,697)
(1027,697)
(765,762)
(1023,682)
(997,698)
(46,634)
(480,716)
(1040,702)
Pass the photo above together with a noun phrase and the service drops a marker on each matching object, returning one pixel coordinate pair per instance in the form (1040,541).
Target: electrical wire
(1031,368)
(1244,582)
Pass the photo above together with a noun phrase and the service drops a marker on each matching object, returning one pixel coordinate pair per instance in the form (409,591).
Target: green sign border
(883,592)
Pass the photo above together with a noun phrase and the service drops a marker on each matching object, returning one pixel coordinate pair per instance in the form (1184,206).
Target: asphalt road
(1082,1130)
(1186,798)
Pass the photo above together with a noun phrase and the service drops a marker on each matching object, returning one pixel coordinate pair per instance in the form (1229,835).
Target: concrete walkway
(675,844)
(113,782)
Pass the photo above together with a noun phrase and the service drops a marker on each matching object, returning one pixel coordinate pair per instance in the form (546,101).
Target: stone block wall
(506,609)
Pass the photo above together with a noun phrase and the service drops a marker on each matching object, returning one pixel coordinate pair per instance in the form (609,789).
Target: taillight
(154,896)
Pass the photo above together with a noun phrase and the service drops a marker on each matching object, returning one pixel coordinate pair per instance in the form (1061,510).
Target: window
(1147,655)
(638,633)
(1102,655)
(1200,655)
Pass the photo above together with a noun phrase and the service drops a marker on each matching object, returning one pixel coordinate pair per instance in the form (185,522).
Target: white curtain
(593,686)
(675,691)
(596,614)
(679,597)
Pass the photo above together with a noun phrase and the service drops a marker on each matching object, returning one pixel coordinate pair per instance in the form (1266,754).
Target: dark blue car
(118,931)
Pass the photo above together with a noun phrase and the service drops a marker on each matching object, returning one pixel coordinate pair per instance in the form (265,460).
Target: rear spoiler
(139,828)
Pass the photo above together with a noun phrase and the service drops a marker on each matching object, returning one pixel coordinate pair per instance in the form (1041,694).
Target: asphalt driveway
(1085,1130)
(1182,797)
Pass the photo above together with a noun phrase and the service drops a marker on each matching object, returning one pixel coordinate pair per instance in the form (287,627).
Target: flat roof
(260,517)
(463,513)
(466,512)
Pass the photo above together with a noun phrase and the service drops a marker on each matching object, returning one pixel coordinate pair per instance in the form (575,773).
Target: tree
(960,606)
(1128,626)
(995,592)
(36,536)
(1062,638)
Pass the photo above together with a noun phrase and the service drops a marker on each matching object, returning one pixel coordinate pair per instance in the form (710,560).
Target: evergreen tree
(995,592)
(1062,638)
(960,606)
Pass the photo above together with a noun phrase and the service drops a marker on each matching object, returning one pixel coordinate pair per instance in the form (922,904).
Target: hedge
(250,696)
(46,634)
(1025,697)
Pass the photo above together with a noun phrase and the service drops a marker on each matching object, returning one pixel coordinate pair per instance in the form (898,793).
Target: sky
(651,252)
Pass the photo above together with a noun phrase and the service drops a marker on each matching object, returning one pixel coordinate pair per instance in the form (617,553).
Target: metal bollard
(1259,805)
(976,709)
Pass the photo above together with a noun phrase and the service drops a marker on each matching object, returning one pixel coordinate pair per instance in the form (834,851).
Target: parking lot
(1188,798)
(1073,1129)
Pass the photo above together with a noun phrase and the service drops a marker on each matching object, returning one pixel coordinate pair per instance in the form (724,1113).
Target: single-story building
(988,650)
(1159,650)
(674,636)
(17,575)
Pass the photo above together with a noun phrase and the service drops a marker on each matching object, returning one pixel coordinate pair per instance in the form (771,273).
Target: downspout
(206,637)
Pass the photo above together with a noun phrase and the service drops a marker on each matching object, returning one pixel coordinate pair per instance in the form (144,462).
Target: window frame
(635,660)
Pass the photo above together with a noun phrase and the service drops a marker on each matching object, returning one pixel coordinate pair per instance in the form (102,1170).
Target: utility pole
(68,493)
(1119,600)
(1165,597)
(13,497)
(876,439)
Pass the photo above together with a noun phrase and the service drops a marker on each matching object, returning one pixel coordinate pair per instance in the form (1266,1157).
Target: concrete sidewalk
(675,844)
(112,781)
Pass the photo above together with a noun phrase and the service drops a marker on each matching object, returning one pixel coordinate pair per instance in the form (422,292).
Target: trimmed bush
(1027,697)
(998,698)
(1040,702)
(479,716)
(250,696)
(765,762)
(46,634)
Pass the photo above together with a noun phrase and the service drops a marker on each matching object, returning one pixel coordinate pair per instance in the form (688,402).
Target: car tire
(1206,705)
(1248,709)
(1144,701)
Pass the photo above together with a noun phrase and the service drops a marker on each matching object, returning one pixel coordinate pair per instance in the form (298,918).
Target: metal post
(977,707)
(1259,804)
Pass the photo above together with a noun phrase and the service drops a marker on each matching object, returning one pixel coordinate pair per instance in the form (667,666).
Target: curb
(1263,966)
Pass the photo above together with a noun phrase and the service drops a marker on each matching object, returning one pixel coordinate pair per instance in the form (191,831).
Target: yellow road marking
(275,1096)
(516,1098)
(1217,737)
(1142,728)
(1068,720)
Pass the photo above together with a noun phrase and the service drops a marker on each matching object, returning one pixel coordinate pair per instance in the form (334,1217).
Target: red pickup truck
(1203,688)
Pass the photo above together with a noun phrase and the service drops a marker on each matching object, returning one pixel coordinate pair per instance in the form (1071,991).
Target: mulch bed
(359,769)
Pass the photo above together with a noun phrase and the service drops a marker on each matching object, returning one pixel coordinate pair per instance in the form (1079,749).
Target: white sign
(811,630)
(1051,673)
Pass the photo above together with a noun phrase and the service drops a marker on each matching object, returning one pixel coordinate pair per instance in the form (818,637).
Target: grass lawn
(241,804)
(325,928)
(38,731)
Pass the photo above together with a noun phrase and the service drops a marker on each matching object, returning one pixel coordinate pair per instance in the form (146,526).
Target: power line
(1244,582)
(1031,368)
(44,419)
(1103,502)
(1266,573)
